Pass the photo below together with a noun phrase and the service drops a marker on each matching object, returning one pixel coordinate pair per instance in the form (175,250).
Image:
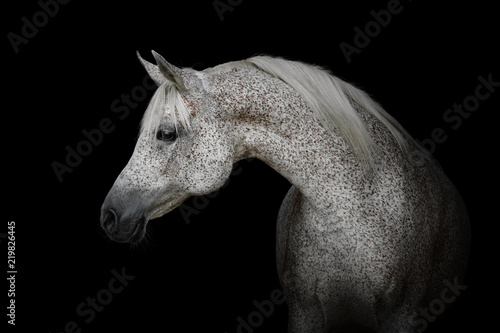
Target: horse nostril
(110,221)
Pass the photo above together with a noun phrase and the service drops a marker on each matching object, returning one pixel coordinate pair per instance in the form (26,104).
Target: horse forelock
(167,101)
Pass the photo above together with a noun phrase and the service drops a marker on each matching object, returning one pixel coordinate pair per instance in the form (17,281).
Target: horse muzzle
(123,226)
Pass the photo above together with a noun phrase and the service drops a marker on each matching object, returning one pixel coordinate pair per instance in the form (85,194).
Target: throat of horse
(282,131)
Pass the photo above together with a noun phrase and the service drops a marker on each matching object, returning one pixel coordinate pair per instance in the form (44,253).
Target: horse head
(184,149)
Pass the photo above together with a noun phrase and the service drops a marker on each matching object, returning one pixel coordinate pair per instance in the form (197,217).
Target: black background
(199,277)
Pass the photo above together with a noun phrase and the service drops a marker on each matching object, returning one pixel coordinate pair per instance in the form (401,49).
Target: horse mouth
(138,232)
(134,236)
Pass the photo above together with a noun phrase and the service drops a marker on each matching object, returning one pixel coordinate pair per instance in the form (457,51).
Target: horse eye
(166,135)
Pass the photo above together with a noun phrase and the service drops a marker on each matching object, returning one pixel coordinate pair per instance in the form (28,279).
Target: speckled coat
(356,250)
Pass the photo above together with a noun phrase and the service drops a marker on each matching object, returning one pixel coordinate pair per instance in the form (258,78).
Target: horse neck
(274,124)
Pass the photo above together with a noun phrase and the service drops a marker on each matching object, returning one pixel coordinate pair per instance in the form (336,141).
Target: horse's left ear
(162,71)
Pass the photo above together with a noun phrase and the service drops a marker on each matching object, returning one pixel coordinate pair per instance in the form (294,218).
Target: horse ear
(163,71)
(171,72)
(153,71)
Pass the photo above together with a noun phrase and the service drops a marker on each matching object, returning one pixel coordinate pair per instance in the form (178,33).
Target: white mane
(328,97)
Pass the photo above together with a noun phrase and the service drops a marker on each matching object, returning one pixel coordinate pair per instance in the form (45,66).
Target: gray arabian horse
(371,228)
